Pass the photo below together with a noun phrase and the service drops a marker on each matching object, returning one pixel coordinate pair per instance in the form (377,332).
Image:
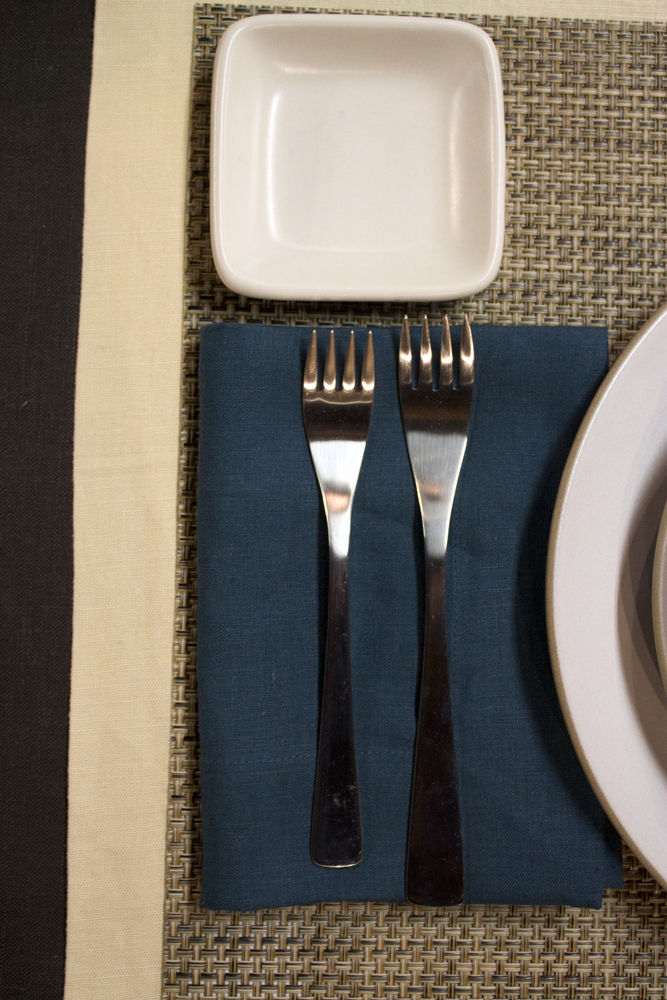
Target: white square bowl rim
(254,285)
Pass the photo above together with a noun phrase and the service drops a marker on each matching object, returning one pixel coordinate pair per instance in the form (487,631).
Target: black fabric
(45,72)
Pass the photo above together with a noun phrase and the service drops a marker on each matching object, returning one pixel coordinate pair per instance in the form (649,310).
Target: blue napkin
(533,831)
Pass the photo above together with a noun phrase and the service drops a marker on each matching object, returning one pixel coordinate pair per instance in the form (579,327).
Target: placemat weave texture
(586,216)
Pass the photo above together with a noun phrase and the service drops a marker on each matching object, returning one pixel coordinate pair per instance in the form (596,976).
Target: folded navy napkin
(533,831)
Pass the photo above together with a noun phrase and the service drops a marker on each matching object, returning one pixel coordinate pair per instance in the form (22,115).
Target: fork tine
(330,365)
(310,371)
(425,367)
(467,367)
(368,366)
(446,356)
(349,376)
(405,355)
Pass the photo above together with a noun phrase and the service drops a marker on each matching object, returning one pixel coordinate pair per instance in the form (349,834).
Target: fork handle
(335,833)
(434,875)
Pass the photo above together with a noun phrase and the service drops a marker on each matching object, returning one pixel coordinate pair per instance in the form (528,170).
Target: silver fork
(435,422)
(336,423)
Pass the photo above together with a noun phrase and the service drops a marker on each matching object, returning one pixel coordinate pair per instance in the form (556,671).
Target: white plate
(599,580)
(660,596)
(357,157)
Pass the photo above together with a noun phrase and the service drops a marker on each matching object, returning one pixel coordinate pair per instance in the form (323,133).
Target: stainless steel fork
(336,423)
(435,422)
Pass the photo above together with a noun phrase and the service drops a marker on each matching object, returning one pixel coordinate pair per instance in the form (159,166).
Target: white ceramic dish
(660,596)
(599,594)
(357,157)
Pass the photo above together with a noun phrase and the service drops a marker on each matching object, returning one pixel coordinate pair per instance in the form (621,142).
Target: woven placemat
(586,217)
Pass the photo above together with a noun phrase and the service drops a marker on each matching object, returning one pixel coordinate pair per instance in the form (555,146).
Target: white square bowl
(357,157)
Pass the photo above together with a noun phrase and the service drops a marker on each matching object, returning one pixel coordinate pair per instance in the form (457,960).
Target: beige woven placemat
(586,217)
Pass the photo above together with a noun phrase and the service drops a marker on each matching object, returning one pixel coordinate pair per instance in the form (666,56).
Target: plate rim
(596,404)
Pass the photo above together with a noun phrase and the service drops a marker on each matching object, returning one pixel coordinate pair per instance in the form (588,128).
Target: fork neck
(436,532)
(339,523)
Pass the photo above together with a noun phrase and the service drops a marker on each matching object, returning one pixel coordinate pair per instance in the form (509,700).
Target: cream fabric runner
(125,469)
(126,460)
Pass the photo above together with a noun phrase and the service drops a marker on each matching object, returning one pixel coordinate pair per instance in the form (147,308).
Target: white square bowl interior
(357,157)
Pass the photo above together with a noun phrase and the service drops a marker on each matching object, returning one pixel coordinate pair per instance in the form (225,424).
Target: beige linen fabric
(610,10)
(125,472)
(126,462)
